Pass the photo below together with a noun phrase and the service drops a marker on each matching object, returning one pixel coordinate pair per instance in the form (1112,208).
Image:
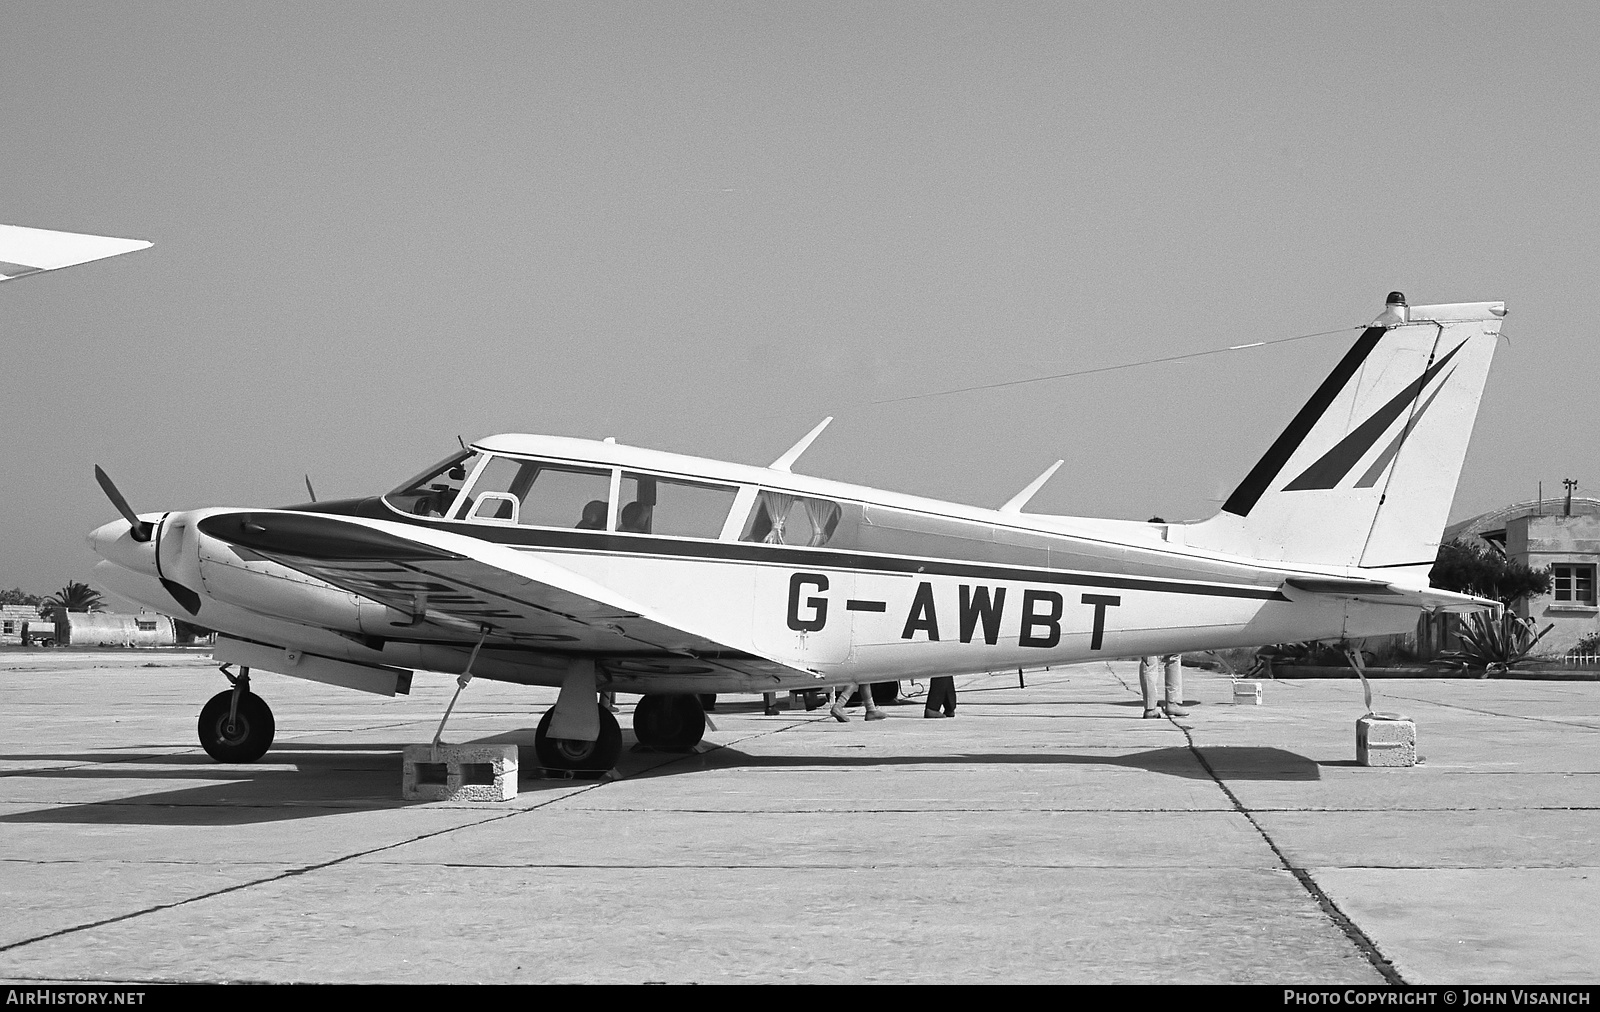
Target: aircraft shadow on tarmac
(295,781)
(1229,762)
(313,780)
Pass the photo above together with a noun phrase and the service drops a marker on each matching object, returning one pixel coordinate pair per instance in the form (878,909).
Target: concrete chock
(1386,739)
(459,773)
(1246,693)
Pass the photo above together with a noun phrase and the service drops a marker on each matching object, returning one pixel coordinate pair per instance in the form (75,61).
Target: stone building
(20,625)
(1562,536)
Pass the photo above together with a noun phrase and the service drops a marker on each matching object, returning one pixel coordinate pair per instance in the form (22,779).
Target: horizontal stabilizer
(1379,592)
(25,251)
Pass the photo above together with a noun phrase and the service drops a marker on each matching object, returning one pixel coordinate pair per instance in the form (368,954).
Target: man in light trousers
(1172,706)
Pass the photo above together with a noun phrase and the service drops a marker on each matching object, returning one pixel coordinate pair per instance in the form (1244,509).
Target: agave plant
(1494,642)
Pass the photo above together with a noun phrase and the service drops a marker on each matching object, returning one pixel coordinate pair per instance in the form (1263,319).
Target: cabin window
(1573,584)
(433,492)
(780,518)
(672,506)
(539,494)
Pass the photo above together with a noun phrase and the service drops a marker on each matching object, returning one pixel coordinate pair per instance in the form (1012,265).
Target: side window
(497,493)
(537,494)
(670,506)
(783,519)
(565,496)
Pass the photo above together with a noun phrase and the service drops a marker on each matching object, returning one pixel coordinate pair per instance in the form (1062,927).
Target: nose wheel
(236,724)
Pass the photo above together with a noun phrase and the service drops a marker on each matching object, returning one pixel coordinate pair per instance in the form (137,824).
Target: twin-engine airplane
(595,566)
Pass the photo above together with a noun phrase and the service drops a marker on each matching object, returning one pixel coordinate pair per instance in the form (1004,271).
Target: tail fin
(1364,475)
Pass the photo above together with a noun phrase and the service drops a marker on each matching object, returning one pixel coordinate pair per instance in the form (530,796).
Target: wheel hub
(573,749)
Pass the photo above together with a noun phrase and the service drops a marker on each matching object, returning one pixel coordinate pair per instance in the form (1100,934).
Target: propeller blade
(139,530)
(309,490)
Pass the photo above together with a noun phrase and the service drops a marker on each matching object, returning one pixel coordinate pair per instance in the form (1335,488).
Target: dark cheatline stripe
(1255,483)
(1337,462)
(379,546)
(815,558)
(1371,477)
(11,270)
(307,536)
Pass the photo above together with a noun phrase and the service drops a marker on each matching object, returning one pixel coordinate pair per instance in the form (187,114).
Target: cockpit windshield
(433,492)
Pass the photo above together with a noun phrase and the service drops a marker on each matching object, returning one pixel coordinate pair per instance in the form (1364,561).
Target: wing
(31,250)
(464,584)
(1379,592)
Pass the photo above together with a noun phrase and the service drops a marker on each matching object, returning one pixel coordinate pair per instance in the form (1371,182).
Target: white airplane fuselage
(901,587)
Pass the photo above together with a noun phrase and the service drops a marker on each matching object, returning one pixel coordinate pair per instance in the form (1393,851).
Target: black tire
(885,693)
(250,736)
(669,722)
(580,758)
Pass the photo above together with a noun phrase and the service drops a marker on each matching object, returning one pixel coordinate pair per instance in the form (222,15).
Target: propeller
(139,530)
(309,490)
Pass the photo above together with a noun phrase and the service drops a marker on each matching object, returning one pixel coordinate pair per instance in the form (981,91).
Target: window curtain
(777,506)
(824,517)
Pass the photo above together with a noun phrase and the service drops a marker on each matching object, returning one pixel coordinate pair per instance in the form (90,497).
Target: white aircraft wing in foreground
(25,251)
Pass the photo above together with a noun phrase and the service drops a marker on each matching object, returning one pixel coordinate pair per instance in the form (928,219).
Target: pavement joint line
(808,866)
(920,811)
(1362,943)
(131,864)
(1494,713)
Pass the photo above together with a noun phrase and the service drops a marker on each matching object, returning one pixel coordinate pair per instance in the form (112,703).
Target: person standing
(1172,706)
(941,697)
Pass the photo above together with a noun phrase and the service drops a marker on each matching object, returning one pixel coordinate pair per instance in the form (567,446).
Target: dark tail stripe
(1371,477)
(1255,483)
(1337,462)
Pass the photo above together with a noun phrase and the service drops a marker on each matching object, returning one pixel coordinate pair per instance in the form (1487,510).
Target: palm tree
(77,597)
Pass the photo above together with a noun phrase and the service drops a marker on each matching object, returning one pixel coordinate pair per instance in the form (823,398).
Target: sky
(702,227)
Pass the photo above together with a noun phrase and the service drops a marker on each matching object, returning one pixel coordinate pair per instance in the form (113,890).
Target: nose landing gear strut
(236,724)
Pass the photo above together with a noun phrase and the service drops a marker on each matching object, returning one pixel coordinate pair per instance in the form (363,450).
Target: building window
(1573,584)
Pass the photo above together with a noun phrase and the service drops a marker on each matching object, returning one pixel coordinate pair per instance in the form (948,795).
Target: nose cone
(114,542)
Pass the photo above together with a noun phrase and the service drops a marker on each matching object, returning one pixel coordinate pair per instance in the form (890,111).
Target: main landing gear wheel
(669,722)
(580,758)
(246,737)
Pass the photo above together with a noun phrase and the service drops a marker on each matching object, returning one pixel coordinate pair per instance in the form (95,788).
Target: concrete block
(1246,693)
(1386,739)
(459,773)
